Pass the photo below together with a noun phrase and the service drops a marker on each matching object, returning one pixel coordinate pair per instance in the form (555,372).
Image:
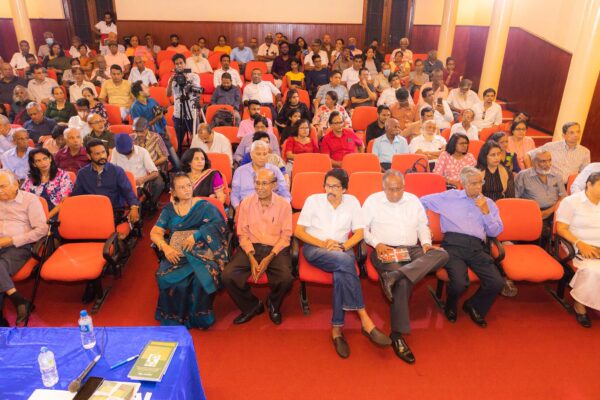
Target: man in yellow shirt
(117,91)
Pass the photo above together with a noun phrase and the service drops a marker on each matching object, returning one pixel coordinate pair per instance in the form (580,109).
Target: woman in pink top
(519,143)
(455,158)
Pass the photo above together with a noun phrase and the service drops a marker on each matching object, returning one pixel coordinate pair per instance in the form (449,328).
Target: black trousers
(12,259)
(238,270)
(469,251)
(420,265)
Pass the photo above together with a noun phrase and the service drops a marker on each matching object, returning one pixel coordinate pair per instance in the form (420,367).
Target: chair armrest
(294,253)
(111,242)
(159,254)
(568,245)
(492,241)
(361,257)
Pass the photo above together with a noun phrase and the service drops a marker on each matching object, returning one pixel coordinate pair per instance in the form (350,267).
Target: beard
(540,171)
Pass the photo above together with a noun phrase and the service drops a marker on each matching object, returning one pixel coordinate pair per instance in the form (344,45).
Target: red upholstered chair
(253,65)
(305,184)
(362,117)
(214,59)
(221,163)
(570,181)
(169,116)
(165,67)
(446,134)
(424,183)
(360,162)
(310,162)
(230,132)
(364,184)
(485,133)
(213,108)
(121,128)
(404,162)
(164,55)
(208,84)
(160,95)
(114,114)
(475,147)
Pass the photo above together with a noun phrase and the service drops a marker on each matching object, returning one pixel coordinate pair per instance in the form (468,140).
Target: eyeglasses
(336,122)
(263,183)
(333,187)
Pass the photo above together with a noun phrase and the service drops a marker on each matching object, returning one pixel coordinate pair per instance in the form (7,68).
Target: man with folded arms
(467,217)
(394,221)
(323,226)
(264,228)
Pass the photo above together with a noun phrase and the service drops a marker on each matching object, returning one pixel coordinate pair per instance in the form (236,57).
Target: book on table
(153,361)
(110,390)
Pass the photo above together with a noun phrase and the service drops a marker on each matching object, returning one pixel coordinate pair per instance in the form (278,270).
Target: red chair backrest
(214,59)
(304,185)
(169,116)
(212,110)
(370,146)
(485,133)
(475,147)
(76,221)
(435,227)
(522,219)
(416,96)
(121,128)
(446,134)
(268,77)
(160,95)
(362,117)
(164,55)
(173,137)
(114,114)
(423,183)
(253,65)
(165,67)
(207,82)
(229,131)
(361,162)
(570,181)
(217,204)
(404,162)
(364,184)
(221,163)
(310,162)
(131,179)
(235,65)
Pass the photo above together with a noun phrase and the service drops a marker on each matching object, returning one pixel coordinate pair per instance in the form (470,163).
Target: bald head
(264,183)
(392,127)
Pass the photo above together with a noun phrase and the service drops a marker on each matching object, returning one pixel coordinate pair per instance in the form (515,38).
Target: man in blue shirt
(144,105)
(467,217)
(103,178)
(38,126)
(385,146)
(242,54)
(17,158)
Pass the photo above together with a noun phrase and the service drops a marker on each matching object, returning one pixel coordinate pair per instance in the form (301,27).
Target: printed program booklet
(153,361)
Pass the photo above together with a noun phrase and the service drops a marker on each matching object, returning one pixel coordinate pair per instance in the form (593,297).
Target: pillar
(496,45)
(583,71)
(446,40)
(22,24)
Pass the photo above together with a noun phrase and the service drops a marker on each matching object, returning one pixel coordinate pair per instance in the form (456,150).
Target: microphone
(76,384)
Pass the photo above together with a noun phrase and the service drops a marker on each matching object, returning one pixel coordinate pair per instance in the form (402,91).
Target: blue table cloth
(20,347)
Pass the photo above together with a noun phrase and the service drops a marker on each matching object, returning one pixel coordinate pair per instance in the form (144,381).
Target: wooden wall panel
(591,134)
(533,77)
(424,38)
(189,32)
(8,37)
(469,51)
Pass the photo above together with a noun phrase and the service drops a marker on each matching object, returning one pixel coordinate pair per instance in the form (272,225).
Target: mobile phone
(439,101)
(88,388)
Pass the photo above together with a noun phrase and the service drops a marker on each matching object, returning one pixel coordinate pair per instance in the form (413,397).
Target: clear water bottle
(48,367)
(86,328)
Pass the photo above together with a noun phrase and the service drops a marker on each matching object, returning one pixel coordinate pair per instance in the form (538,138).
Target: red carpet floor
(532,349)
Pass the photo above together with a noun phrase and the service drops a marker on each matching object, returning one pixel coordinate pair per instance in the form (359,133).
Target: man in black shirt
(317,76)
(377,127)
(8,83)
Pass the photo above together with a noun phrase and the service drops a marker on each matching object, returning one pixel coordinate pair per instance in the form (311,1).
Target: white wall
(46,9)
(315,11)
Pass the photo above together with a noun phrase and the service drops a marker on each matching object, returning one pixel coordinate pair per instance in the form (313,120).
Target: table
(20,347)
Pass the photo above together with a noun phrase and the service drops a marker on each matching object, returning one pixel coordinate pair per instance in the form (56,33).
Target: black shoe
(583,320)
(475,316)
(402,350)
(23,311)
(341,346)
(450,314)
(274,314)
(377,337)
(243,318)
(387,283)
(3,322)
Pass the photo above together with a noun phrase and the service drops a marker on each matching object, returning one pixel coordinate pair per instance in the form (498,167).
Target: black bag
(420,165)
(223,117)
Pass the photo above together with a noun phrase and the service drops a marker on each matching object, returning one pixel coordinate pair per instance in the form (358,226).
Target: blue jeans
(347,293)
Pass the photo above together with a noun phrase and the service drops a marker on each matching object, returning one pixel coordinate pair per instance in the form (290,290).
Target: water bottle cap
(83,313)
(43,349)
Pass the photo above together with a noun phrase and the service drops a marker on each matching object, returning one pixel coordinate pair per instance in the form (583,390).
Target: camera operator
(184,85)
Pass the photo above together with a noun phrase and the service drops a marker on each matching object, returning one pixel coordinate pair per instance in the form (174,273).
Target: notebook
(153,361)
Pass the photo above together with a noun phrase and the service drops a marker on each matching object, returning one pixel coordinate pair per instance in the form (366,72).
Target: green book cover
(153,362)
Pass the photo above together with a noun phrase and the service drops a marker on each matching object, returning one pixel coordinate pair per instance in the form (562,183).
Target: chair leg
(36,284)
(437,294)
(304,299)
(559,295)
(99,294)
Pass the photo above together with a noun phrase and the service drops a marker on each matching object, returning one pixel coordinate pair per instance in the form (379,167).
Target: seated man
(344,60)
(262,91)
(16,159)
(198,62)
(247,125)
(146,107)
(242,54)
(141,73)
(267,52)
(440,90)
(100,132)
(407,55)
(388,96)
(579,183)
(73,156)
(543,184)
(323,226)
(394,221)
(340,141)
(18,60)
(432,63)
(152,142)
(335,84)
(264,229)
(117,91)
(40,87)
(467,218)
(568,156)
(442,114)
(242,184)
(101,72)
(75,89)
(350,76)
(402,110)
(175,45)
(116,57)
(8,81)
(273,159)
(228,94)
(377,128)
(236,80)
(211,141)
(22,222)
(386,146)
(38,125)
(6,135)
(414,129)
(316,77)
(462,98)
(362,93)
(137,160)
(103,178)
(315,49)
(31,62)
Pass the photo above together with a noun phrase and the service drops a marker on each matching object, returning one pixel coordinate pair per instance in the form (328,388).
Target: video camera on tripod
(187,87)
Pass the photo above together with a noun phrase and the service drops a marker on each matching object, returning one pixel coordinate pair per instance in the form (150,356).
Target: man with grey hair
(395,220)
(579,184)
(38,126)
(16,159)
(242,184)
(390,144)
(73,156)
(6,133)
(568,156)
(22,222)
(467,218)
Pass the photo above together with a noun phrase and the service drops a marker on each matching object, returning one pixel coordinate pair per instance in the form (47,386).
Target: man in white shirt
(315,48)
(19,60)
(80,83)
(40,87)
(442,114)
(137,160)
(115,57)
(44,49)
(579,183)
(262,91)
(462,97)
(466,125)
(6,135)
(141,73)
(394,221)
(487,113)
(407,55)
(211,141)
(350,76)
(323,226)
(267,51)
(197,62)
(236,80)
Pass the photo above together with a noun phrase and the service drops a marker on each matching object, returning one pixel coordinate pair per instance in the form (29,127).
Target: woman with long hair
(321,119)
(509,160)
(453,159)
(292,102)
(206,182)
(519,143)
(96,106)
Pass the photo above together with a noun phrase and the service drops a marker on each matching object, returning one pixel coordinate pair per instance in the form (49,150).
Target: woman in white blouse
(488,113)
(429,143)
(466,125)
(578,221)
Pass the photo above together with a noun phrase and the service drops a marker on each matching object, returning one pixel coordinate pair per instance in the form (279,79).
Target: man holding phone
(442,114)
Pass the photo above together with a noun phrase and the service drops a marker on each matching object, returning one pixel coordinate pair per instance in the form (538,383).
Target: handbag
(177,238)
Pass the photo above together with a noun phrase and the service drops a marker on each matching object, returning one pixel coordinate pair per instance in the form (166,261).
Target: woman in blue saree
(192,234)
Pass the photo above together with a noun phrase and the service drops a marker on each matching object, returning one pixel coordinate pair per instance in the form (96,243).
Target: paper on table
(48,394)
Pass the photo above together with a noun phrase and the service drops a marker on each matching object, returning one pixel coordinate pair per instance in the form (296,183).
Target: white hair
(12,178)
(17,130)
(33,104)
(4,120)
(258,144)
(429,122)
(468,172)
(71,129)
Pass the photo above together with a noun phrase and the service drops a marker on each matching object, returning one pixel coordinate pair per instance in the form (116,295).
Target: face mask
(386,72)
(352,47)
(174,44)
(49,41)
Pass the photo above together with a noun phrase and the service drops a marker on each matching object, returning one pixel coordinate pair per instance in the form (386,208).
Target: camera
(157,110)
(187,87)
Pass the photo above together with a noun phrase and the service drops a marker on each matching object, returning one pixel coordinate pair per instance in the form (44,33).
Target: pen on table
(124,361)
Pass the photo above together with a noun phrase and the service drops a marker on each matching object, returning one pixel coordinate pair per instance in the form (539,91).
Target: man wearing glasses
(99,131)
(467,218)
(340,141)
(323,226)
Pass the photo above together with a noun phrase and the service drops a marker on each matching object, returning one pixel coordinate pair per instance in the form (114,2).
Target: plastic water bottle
(48,367)
(86,328)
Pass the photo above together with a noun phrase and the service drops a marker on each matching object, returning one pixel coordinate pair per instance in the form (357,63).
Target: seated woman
(451,75)
(192,234)
(400,67)
(57,141)
(519,143)
(47,180)
(86,60)
(60,109)
(136,50)
(455,158)
(18,113)
(222,46)
(57,60)
(68,78)
(295,77)
(321,119)
(206,182)
(293,117)
(96,107)
(429,143)
(300,142)
(509,160)
(292,102)
(578,221)
(498,181)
